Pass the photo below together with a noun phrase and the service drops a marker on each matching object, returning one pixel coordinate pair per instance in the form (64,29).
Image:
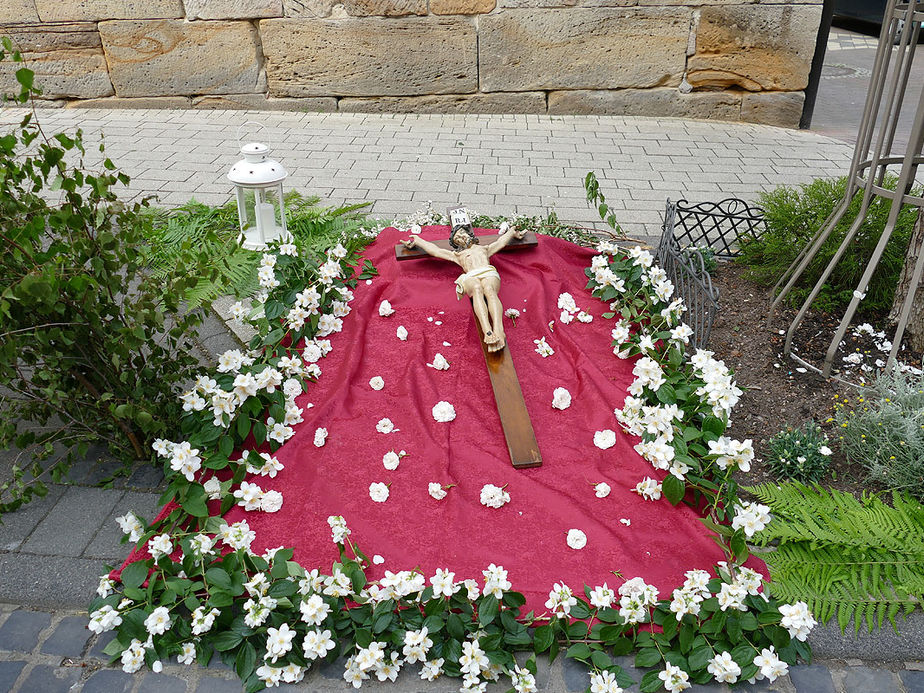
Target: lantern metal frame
(261,176)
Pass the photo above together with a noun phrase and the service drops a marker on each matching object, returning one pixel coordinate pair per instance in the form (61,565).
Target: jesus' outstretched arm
(508,233)
(429,248)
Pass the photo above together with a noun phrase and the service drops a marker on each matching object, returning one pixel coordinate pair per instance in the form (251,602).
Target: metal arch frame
(889,78)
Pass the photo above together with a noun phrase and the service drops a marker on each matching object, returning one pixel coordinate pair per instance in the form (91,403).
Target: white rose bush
(203,593)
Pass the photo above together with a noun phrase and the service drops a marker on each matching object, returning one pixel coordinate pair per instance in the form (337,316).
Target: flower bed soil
(776,394)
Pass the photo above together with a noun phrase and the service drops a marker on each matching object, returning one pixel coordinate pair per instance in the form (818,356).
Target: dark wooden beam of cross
(511,407)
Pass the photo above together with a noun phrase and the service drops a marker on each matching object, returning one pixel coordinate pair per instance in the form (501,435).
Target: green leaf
(225,446)
(454,627)
(579,650)
(700,657)
(487,610)
(217,577)
(714,425)
(195,501)
(580,610)
(226,640)
(246,661)
(135,574)
(647,657)
(650,682)
(673,489)
(25,77)
(542,639)
(687,632)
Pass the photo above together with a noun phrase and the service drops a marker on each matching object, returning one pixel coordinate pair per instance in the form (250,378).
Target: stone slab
(883,645)
(161,683)
(754,47)
(384,8)
(311,9)
(261,102)
(20,632)
(520,102)
(607,48)
(107,543)
(68,638)
(462,6)
(109,681)
(48,581)
(782,108)
(73,522)
(48,679)
(370,57)
(18,525)
(913,681)
(18,11)
(232,9)
(867,679)
(139,102)
(67,59)
(651,103)
(97,10)
(171,58)
(9,672)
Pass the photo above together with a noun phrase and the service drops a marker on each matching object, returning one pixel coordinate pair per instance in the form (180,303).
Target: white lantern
(260,208)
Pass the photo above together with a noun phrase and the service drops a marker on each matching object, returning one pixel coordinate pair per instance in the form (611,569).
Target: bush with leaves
(794,215)
(91,349)
(882,429)
(800,454)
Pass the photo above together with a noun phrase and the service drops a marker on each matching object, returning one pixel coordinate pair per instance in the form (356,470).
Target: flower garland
(204,591)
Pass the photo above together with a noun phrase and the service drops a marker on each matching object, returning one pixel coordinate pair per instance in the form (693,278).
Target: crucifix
(481,282)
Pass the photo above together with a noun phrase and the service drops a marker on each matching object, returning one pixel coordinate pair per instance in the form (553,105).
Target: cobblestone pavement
(53,550)
(492,163)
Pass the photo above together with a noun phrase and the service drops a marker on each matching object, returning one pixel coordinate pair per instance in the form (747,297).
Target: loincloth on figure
(477,273)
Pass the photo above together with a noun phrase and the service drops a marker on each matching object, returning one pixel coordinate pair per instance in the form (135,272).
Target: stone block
(307,9)
(913,681)
(140,102)
(384,8)
(260,102)
(754,47)
(20,631)
(370,57)
(867,679)
(462,6)
(68,638)
(109,681)
(98,10)
(519,102)
(520,4)
(782,108)
(9,672)
(73,522)
(607,48)
(53,582)
(814,678)
(161,683)
(171,57)
(67,60)
(232,9)
(49,679)
(18,11)
(652,103)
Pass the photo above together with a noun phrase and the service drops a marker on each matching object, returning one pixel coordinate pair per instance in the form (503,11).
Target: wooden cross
(518,429)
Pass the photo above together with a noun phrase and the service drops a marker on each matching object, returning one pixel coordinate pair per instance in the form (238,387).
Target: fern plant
(860,560)
(213,233)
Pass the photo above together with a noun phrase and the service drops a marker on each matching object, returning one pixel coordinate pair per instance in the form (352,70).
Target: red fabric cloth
(526,536)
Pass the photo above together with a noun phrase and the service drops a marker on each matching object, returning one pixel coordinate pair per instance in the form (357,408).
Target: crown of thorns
(469,231)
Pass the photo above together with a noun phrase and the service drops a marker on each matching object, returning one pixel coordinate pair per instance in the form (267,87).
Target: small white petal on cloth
(390,460)
(378,560)
(439,363)
(385,426)
(626,521)
(320,437)
(378,492)
(377,383)
(577,539)
(443,412)
(385,309)
(602,490)
(436,490)
(402,333)
(605,439)
(561,398)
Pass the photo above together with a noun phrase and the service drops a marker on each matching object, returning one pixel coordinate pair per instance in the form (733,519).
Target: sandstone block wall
(719,59)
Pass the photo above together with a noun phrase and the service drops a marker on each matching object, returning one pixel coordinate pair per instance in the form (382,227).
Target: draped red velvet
(526,536)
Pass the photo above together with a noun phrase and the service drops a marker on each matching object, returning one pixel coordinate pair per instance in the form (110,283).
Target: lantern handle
(243,125)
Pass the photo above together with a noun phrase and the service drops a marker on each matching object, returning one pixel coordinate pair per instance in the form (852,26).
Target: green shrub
(799,454)
(883,430)
(91,348)
(793,217)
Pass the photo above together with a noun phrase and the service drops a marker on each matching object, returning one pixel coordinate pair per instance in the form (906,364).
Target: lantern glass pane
(247,203)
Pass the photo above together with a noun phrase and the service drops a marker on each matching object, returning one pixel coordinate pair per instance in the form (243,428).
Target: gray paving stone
(20,632)
(73,522)
(161,683)
(332,670)
(99,644)
(863,679)
(9,672)
(146,476)
(106,544)
(48,581)
(109,681)
(218,685)
(575,675)
(813,678)
(18,525)
(48,679)
(69,638)
(913,681)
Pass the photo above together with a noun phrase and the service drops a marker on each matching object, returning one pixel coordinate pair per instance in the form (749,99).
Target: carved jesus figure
(480,281)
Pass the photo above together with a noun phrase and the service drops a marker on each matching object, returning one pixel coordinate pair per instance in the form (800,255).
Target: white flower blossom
(543,348)
(385,426)
(439,363)
(401,332)
(560,601)
(320,437)
(443,412)
(385,309)
(561,398)
(602,490)
(576,539)
(378,492)
(436,490)
(605,439)
(376,382)
(494,496)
